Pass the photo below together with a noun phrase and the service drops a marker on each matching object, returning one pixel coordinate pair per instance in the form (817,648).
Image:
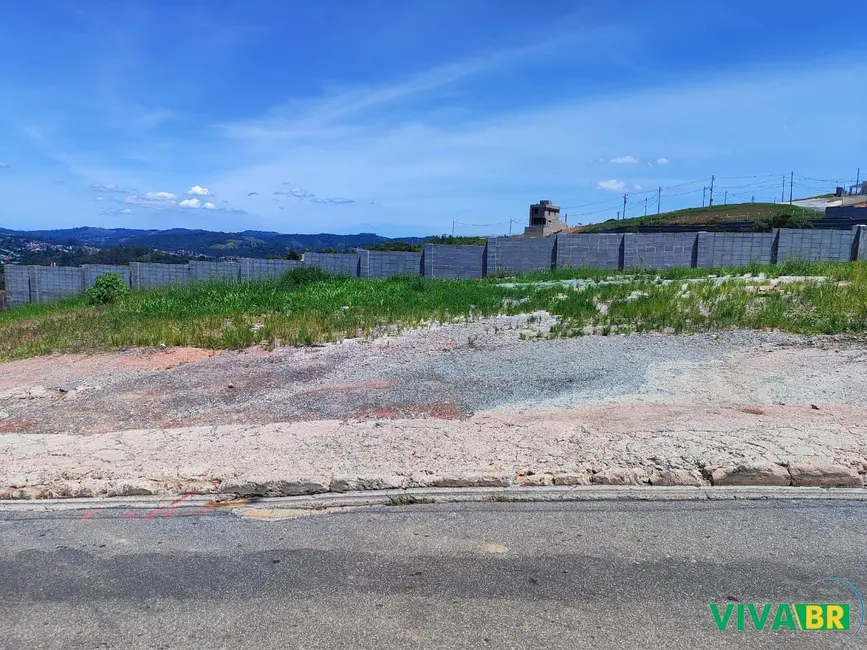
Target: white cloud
(333,200)
(107,187)
(3,164)
(637,188)
(190,203)
(159,196)
(611,186)
(198,190)
(662,161)
(99,198)
(126,211)
(625,160)
(209,206)
(297,192)
(650,164)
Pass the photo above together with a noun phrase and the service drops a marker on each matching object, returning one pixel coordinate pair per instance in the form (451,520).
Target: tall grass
(325,308)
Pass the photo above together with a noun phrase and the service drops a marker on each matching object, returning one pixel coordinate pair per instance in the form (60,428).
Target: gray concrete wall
(17,285)
(145,275)
(814,245)
(337,263)
(717,249)
(204,271)
(257,269)
(859,243)
(513,256)
(93,271)
(384,264)
(444,261)
(659,250)
(53,283)
(597,250)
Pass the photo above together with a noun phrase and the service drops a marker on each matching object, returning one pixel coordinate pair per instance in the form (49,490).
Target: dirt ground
(469,397)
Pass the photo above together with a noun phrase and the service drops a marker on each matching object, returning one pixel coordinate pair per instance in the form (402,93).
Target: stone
(755,473)
(617,476)
(133,488)
(568,478)
(824,475)
(672,477)
(470,481)
(535,480)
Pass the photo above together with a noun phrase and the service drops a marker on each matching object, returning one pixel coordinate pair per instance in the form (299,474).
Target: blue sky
(402,117)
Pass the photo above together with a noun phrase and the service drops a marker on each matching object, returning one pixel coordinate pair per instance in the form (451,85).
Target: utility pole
(726,198)
(703,194)
(857,179)
(783,193)
(712,179)
(753,199)
(791,185)
(645,207)
(453,227)
(658,199)
(625,195)
(510,227)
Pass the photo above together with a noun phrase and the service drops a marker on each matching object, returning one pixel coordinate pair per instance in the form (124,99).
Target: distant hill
(249,243)
(748,212)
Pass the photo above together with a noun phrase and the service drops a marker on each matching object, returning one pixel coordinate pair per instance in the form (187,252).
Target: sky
(415,117)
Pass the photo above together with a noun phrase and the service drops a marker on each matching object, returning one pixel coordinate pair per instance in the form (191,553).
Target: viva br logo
(847,615)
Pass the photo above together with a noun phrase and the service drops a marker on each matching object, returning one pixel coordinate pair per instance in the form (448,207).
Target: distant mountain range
(249,243)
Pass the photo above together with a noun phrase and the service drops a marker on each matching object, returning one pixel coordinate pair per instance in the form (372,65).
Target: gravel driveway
(471,399)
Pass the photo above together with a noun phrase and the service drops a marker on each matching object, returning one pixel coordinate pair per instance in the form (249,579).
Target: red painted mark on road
(171,510)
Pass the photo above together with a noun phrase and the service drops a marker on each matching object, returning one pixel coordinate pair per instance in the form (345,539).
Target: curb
(756,473)
(193,505)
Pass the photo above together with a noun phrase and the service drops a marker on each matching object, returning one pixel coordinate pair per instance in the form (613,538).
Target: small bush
(761,225)
(293,255)
(107,289)
(304,276)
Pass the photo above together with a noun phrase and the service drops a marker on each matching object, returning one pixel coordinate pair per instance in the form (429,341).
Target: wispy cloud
(612,185)
(625,160)
(109,187)
(333,200)
(662,161)
(3,165)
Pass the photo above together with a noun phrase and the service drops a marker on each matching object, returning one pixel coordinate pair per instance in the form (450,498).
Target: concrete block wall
(508,255)
(145,275)
(17,285)
(337,263)
(93,271)
(814,245)
(384,264)
(715,249)
(53,283)
(659,250)
(257,269)
(204,271)
(445,261)
(597,250)
(859,243)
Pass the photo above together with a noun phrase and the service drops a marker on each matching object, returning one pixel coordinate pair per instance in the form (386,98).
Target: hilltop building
(544,220)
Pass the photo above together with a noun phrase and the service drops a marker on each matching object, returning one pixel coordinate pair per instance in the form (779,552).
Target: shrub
(108,288)
(293,255)
(303,276)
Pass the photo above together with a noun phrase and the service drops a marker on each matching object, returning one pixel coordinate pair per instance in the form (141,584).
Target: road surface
(485,575)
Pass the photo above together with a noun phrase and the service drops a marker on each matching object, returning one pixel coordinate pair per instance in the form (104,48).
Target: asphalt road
(493,575)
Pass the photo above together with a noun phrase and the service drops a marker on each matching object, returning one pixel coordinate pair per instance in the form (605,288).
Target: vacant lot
(817,298)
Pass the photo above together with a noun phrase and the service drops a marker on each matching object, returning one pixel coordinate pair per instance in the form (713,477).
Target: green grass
(718,213)
(319,309)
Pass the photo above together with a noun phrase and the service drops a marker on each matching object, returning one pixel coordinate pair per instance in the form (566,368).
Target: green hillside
(709,216)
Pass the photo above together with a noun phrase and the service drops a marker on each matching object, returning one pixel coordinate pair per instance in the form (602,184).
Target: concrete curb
(757,473)
(191,505)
